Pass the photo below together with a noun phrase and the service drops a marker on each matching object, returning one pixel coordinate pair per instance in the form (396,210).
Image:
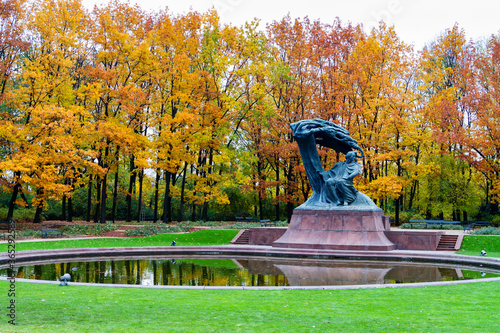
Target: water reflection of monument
(336,216)
(349,272)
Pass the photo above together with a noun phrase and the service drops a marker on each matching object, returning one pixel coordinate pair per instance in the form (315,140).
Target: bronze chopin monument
(336,216)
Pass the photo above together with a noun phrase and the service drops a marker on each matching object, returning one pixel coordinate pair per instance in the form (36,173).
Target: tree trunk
(204,214)
(289,203)
(70,209)
(131,184)
(103,199)
(13,198)
(183,185)
(63,208)
(139,208)
(157,185)
(167,207)
(115,195)
(277,203)
(398,200)
(104,185)
(39,206)
(396,208)
(98,203)
(89,199)
(260,188)
(193,211)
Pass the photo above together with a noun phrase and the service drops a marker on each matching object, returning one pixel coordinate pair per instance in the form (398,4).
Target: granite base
(336,230)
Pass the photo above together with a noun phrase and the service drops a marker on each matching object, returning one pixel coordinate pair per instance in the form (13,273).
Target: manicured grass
(50,308)
(198,238)
(472,246)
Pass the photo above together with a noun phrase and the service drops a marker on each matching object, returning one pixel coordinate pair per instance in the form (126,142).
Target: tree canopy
(120,113)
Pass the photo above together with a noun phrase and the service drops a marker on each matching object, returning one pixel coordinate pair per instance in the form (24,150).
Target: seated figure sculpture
(332,188)
(339,188)
(336,216)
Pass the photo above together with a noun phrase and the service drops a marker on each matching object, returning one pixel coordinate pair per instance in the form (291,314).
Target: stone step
(447,243)
(242,238)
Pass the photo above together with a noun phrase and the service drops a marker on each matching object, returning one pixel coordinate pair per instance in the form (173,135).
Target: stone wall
(403,239)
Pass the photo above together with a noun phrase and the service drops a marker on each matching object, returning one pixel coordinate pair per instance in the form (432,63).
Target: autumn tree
(484,134)
(447,78)
(46,81)
(119,95)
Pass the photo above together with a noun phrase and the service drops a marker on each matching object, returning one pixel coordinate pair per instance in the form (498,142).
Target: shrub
(413,226)
(495,220)
(404,217)
(89,229)
(431,226)
(3,213)
(24,214)
(486,231)
(21,214)
(28,233)
(150,230)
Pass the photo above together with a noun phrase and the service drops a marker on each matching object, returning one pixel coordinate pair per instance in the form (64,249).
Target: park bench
(267,223)
(147,218)
(480,224)
(466,225)
(46,233)
(427,223)
(4,225)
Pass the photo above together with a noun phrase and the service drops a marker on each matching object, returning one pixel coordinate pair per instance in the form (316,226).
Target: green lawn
(50,308)
(472,246)
(198,238)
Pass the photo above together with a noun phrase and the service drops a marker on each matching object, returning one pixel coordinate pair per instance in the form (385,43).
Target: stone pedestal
(336,230)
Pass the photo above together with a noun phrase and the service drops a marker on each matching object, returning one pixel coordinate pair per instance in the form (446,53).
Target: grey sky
(416,21)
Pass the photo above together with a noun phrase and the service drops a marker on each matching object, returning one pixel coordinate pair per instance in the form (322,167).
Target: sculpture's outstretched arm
(308,133)
(326,134)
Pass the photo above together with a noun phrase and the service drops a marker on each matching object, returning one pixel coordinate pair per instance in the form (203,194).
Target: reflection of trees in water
(102,271)
(275,272)
(164,272)
(128,271)
(113,272)
(154,272)
(138,272)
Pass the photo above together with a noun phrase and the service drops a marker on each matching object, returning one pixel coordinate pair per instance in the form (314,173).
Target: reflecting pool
(249,272)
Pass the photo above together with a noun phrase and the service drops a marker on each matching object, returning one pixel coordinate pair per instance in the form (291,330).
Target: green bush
(495,220)
(246,225)
(431,226)
(486,231)
(89,229)
(404,217)
(413,226)
(3,213)
(24,214)
(20,214)
(151,230)
(28,233)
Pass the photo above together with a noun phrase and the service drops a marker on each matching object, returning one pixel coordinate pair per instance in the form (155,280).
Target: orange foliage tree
(188,113)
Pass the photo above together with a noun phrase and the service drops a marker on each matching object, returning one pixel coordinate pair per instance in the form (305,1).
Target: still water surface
(249,272)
